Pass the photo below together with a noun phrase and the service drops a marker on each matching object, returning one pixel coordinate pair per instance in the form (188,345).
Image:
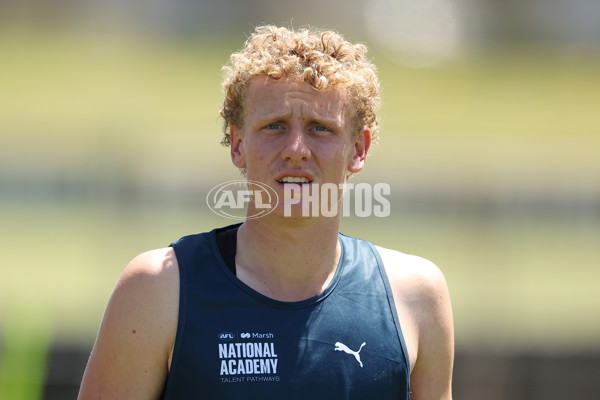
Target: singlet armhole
(393,309)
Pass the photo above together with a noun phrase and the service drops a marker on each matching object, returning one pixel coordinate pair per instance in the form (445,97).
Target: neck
(290,261)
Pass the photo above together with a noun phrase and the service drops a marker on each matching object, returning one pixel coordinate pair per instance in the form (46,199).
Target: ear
(237,147)
(361,147)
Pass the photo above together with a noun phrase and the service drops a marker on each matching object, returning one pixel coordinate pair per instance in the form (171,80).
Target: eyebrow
(314,117)
(274,116)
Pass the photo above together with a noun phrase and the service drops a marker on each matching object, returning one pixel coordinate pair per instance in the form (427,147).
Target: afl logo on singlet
(226,336)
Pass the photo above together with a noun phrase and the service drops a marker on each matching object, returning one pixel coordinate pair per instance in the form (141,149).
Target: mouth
(294,179)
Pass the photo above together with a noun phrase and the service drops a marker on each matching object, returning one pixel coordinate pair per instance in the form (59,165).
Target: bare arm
(131,356)
(423,304)
(431,377)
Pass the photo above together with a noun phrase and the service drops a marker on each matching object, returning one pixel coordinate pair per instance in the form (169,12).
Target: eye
(321,130)
(274,126)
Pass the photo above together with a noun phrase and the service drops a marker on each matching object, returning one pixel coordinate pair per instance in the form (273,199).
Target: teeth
(290,179)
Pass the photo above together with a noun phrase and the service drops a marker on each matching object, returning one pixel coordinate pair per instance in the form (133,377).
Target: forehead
(267,96)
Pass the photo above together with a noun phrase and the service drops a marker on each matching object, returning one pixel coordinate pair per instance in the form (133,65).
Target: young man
(282,306)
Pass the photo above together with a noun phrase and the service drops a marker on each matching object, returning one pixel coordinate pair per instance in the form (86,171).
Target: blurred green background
(490,141)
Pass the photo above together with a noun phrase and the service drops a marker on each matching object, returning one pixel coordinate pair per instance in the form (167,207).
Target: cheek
(346,154)
(339,162)
(256,155)
(335,154)
(255,159)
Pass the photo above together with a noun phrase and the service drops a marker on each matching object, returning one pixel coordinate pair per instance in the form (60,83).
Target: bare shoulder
(148,292)
(132,350)
(416,275)
(152,267)
(419,288)
(423,304)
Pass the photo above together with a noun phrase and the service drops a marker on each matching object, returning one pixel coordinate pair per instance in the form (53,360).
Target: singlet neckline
(230,273)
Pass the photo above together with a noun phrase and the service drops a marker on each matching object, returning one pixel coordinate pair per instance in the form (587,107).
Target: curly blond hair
(323,59)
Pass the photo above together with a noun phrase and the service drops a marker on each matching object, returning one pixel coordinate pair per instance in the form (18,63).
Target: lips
(295,177)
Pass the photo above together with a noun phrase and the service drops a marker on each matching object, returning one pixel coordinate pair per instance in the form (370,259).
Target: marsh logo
(226,336)
(245,335)
(231,199)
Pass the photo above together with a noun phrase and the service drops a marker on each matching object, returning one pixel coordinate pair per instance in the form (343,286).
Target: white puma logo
(342,347)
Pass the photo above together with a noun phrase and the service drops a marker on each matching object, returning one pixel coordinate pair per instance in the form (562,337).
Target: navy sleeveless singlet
(234,343)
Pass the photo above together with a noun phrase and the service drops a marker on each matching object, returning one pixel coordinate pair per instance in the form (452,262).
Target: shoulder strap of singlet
(227,242)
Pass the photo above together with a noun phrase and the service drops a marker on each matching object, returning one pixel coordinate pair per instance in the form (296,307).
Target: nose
(296,148)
